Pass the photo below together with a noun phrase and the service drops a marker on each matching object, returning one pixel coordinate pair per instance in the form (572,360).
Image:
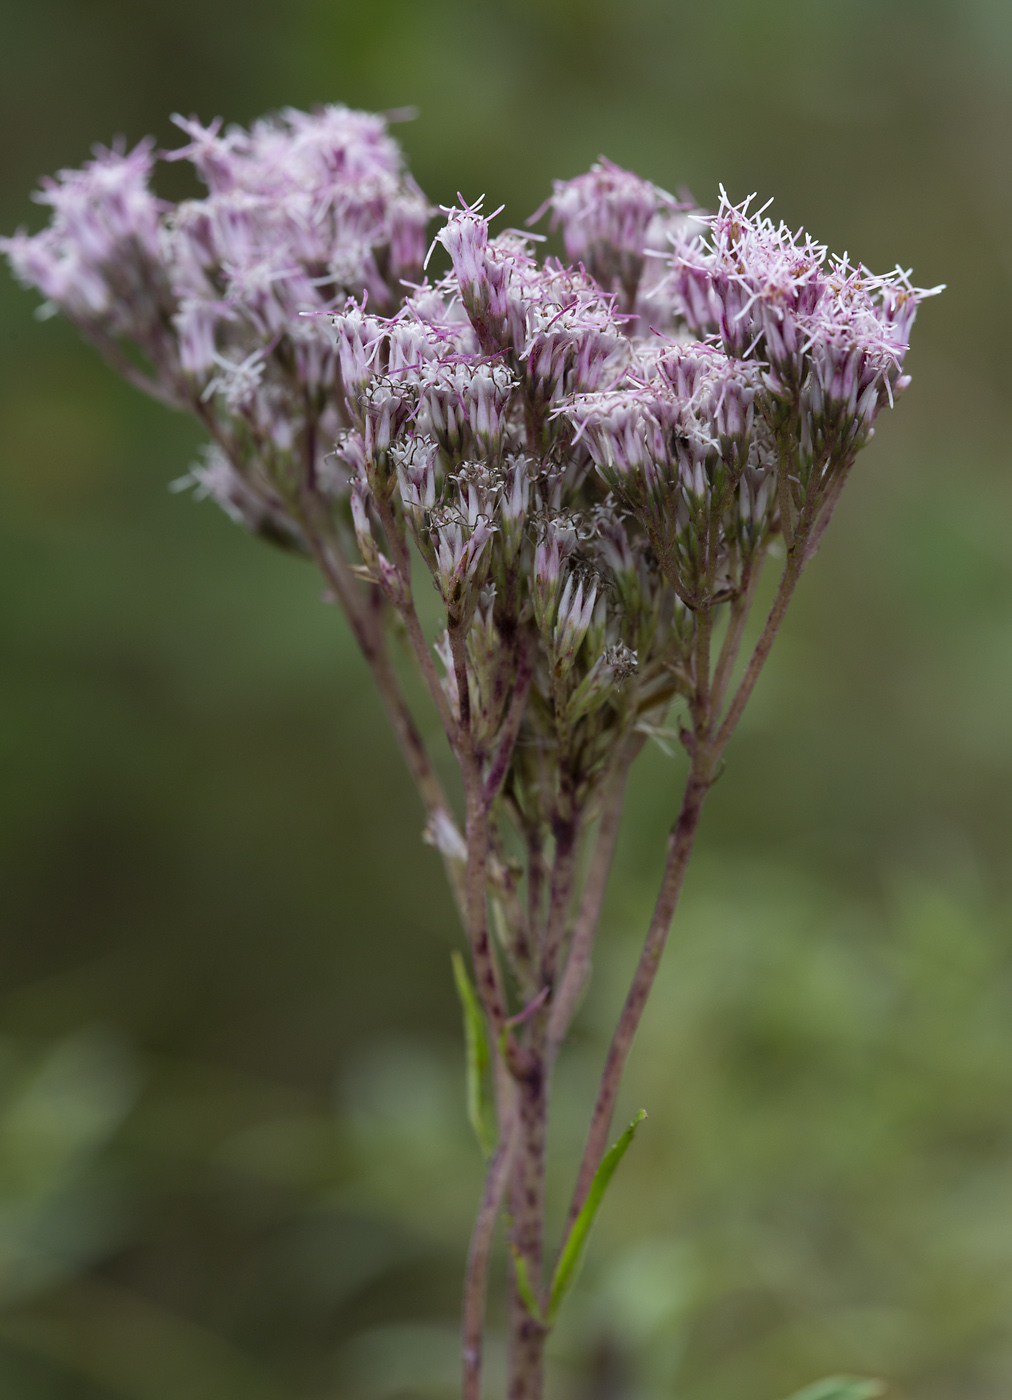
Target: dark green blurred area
(233,1155)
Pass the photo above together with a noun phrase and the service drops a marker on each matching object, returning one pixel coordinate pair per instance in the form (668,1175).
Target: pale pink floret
(105,227)
(606,205)
(607,217)
(301,210)
(773,296)
(483,270)
(310,225)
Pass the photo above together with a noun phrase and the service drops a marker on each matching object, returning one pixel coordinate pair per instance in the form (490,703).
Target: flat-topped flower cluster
(563,471)
(590,458)
(584,453)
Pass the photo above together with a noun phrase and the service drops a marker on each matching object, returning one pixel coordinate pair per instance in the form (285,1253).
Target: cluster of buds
(644,473)
(504,505)
(673,441)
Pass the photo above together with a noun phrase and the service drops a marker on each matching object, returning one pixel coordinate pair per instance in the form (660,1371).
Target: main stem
(517,1170)
(476,1276)
(527,1228)
(527,1202)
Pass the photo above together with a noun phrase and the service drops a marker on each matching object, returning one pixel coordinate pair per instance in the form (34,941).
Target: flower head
(589,455)
(301,211)
(606,216)
(99,260)
(482,270)
(772,296)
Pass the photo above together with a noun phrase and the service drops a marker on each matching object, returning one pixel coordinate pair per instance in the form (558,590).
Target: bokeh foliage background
(233,1157)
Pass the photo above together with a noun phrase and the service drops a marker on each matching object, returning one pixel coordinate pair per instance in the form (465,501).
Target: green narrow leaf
(841,1388)
(479,1109)
(499,924)
(565,1270)
(524,1285)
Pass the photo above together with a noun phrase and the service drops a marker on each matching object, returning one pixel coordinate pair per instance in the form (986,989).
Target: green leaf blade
(841,1388)
(478,1059)
(524,1288)
(572,1254)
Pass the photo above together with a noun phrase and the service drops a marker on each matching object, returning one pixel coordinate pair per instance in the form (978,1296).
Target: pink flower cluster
(590,457)
(822,329)
(610,218)
(222,296)
(573,436)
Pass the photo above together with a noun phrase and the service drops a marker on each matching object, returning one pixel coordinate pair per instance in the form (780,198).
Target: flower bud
(367,546)
(487,398)
(461,560)
(513,506)
(576,609)
(358,341)
(386,406)
(416,476)
(547,583)
(482,274)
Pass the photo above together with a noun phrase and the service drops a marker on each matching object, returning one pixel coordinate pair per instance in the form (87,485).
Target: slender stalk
(458,653)
(406,608)
(110,351)
(740,609)
(476,1276)
(800,541)
(826,509)
(784,500)
(486,969)
(704,624)
(511,724)
(680,843)
(535,884)
(704,628)
(527,1208)
(508,909)
(574,977)
(788,583)
(560,890)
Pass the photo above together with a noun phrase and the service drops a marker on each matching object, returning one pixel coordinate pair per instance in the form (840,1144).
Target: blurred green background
(233,1157)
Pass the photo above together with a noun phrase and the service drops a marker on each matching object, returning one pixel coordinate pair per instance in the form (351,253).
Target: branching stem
(680,843)
(741,606)
(406,608)
(574,978)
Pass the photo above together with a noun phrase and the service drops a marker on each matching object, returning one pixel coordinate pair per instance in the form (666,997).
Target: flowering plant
(589,460)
